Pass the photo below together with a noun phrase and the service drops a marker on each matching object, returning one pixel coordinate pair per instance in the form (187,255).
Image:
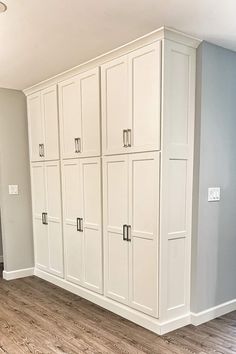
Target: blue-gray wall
(214,223)
(16,214)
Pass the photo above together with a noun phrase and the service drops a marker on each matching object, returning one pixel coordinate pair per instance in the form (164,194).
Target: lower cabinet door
(143,233)
(82,222)
(115,199)
(54,218)
(41,244)
(92,224)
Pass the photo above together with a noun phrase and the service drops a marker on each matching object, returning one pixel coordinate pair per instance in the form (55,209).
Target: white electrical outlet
(13,189)
(213,194)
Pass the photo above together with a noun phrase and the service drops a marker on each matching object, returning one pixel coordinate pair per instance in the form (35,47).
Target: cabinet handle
(44,219)
(129,137)
(77,145)
(79,224)
(125,232)
(125,138)
(42,149)
(129,233)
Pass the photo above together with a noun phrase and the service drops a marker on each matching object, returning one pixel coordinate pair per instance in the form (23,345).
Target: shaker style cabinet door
(131,101)
(115,105)
(46,192)
(144,231)
(131,224)
(39,208)
(115,212)
(82,222)
(43,125)
(79,106)
(54,217)
(145,98)
(50,119)
(35,126)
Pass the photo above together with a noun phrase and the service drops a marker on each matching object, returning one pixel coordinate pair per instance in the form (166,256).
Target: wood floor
(37,317)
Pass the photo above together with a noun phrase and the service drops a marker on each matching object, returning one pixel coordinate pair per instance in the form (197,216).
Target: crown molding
(159,34)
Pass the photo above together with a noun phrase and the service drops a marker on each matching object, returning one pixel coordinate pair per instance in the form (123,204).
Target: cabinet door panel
(53,196)
(145,86)
(36,128)
(144,216)
(91,193)
(90,113)
(39,207)
(115,109)
(70,116)
(72,206)
(115,179)
(50,117)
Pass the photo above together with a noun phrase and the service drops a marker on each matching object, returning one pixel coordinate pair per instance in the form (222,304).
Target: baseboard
(148,322)
(213,312)
(16,274)
(1,259)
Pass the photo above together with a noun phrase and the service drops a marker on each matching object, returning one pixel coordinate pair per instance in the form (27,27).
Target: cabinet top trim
(161,33)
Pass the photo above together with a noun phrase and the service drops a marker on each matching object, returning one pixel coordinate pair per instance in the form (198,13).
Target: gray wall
(214,223)
(14,169)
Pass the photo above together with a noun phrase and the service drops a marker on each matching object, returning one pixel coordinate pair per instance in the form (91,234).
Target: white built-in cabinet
(111,149)
(82,222)
(47,216)
(131,229)
(43,125)
(131,101)
(79,107)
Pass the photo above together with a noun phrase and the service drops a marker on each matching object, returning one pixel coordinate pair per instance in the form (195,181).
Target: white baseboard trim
(148,322)
(16,274)
(213,312)
(1,259)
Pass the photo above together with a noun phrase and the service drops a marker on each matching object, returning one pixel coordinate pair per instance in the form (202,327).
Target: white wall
(214,224)
(14,169)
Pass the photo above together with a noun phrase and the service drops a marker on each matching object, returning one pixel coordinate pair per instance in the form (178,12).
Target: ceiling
(41,38)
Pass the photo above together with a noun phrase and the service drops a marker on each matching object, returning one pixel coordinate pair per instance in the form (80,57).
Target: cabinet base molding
(213,312)
(19,273)
(148,322)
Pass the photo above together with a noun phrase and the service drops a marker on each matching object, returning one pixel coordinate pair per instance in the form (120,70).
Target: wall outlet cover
(213,194)
(13,189)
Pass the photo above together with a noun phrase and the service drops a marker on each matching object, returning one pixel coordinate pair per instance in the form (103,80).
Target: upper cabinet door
(90,113)
(131,101)
(145,98)
(50,120)
(36,128)
(80,115)
(70,118)
(115,105)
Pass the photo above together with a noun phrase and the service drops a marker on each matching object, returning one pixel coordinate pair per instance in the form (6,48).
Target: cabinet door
(144,216)
(115,188)
(54,217)
(50,118)
(115,105)
(145,98)
(92,248)
(72,206)
(36,128)
(90,113)
(39,207)
(70,118)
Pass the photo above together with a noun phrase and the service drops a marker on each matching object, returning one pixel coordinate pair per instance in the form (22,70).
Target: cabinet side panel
(176,178)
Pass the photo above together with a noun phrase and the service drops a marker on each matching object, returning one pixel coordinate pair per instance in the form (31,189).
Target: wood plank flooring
(38,317)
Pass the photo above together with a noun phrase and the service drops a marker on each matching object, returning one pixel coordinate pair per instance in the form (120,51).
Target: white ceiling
(41,38)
